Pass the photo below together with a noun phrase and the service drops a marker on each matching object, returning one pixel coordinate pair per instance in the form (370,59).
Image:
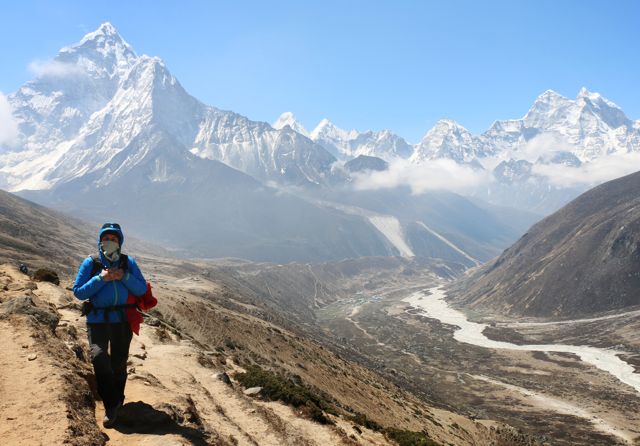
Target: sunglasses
(110,226)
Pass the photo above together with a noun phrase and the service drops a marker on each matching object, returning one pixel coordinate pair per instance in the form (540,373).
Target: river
(433,305)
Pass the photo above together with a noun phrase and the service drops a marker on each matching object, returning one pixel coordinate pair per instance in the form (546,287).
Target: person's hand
(116,274)
(106,275)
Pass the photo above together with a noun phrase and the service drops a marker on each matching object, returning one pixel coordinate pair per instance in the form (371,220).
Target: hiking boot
(110,416)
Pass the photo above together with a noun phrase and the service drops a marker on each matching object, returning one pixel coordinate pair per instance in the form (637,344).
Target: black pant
(110,367)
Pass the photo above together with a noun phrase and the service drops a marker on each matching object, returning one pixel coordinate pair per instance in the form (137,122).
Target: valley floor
(552,395)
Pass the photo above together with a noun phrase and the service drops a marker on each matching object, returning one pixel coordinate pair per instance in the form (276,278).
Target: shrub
(46,275)
(362,420)
(277,388)
(409,438)
(400,436)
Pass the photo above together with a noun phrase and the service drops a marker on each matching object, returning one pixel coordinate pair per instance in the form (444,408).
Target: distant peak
(583,92)
(289,119)
(107,29)
(586,94)
(288,116)
(328,129)
(106,50)
(448,122)
(324,123)
(448,125)
(550,94)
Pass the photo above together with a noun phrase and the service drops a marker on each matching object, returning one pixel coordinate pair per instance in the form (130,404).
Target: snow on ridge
(389,226)
(449,243)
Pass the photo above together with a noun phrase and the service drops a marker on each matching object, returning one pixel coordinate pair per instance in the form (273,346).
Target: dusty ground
(175,393)
(172,399)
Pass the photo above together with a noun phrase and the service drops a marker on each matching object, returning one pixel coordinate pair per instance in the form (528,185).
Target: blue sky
(397,64)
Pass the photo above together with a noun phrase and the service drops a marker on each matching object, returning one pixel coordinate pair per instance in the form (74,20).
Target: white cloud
(54,68)
(8,124)
(592,173)
(440,174)
(541,146)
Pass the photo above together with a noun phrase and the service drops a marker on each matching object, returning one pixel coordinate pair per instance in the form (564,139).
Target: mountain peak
(595,98)
(449,124)
(585,93)
(289,119)
(590,95)
(322,127)
(550,96)
(444,127)
(105,35)
(101,52)
(107,29)
(328,129)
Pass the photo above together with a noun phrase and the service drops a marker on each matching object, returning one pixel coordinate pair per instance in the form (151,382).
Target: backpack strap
(98,266)
(124,262)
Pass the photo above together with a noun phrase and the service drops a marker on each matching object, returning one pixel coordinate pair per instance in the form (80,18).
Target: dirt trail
(20,400)
(44,399)
(174,396)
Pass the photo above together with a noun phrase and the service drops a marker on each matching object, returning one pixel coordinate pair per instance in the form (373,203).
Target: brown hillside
(583,259)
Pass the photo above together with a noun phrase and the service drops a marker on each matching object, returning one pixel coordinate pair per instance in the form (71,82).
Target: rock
(253,390)
(25,305)
(32,357)
(78,351)
(224,378)
(142,355)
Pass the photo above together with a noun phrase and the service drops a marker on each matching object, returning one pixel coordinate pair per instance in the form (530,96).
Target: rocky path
(175,393)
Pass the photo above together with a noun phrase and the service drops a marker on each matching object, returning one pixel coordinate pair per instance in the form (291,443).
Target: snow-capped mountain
(52,109)
(589,127)
(289,119)
(346,145)
(556,133)
(105,132)
(97,103)
(448,139)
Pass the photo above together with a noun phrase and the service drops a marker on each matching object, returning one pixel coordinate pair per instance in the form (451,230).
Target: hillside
(41,237)
(582,260)
(188,367)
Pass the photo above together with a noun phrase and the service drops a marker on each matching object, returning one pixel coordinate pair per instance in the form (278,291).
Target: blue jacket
(107,294)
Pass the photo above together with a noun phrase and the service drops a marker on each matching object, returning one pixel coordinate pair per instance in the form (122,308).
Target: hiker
(105,282)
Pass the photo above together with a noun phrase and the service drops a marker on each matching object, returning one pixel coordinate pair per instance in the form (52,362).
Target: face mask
(111,250)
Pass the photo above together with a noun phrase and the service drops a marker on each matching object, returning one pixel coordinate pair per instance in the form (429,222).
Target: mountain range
(105,133)
(533,161)
(583,130)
